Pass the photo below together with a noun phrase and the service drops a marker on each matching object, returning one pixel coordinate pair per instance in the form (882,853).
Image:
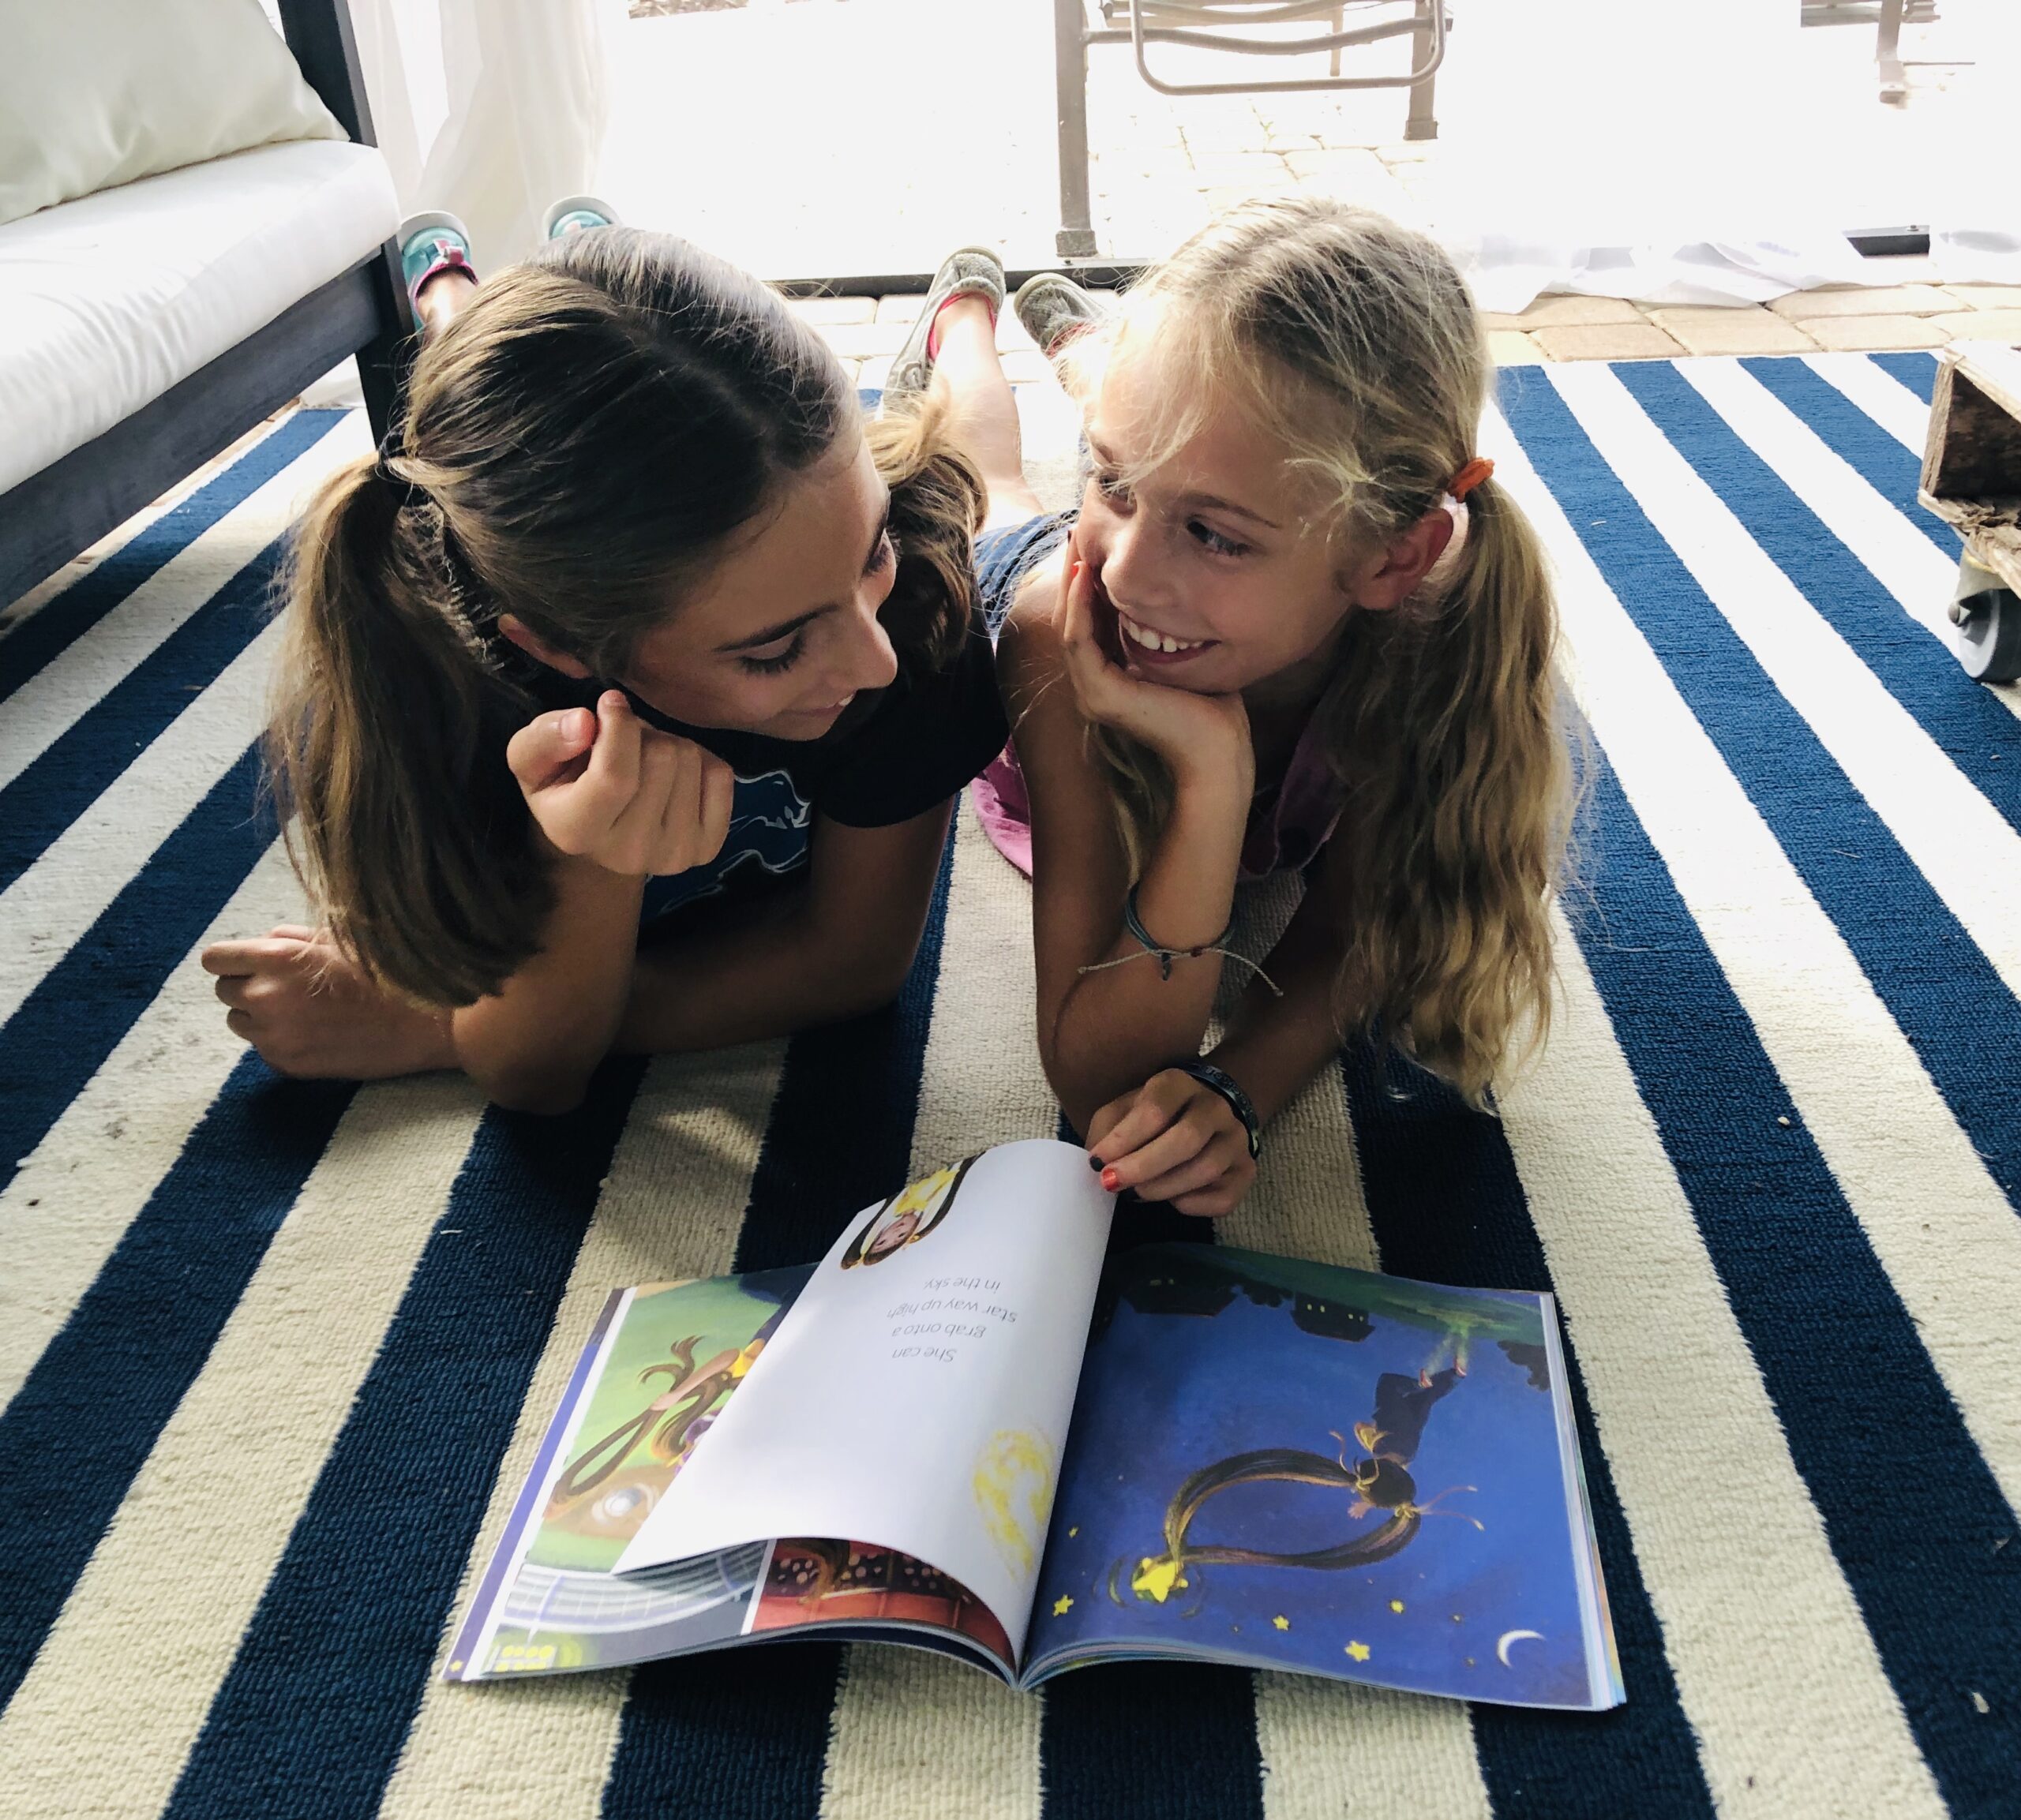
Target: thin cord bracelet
(1230,1089)
(1134,924)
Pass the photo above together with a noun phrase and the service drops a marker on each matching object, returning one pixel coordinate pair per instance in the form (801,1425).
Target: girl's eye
(881,558)
(1112,488)
(1213,539)
(782,660)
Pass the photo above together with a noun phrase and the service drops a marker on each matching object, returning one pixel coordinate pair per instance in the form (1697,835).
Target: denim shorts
(1004,557)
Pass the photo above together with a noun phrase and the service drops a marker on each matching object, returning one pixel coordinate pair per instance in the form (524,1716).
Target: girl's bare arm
(533,1045)
(1274,1045)
(1102,1032)
(837,944)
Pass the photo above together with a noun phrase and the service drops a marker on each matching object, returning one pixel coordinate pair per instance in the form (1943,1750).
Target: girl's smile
(1144,645)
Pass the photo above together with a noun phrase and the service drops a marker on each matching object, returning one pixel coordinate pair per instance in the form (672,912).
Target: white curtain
(490,108)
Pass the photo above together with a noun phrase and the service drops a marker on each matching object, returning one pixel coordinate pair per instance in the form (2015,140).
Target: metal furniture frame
(1207,25)
(1888,17)
(50,517)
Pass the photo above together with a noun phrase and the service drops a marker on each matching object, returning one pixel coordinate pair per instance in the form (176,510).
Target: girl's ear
(539,650)
(1390,577)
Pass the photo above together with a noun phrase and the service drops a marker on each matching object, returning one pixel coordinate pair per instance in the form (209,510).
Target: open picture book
(958,1431)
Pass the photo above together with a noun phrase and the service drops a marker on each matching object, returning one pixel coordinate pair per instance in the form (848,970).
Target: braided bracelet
(1230,1089)
(1134,925)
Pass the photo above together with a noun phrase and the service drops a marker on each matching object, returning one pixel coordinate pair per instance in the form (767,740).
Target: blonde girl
(625,693)
(1294,623)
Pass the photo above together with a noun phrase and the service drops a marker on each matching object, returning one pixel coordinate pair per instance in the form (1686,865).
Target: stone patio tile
(860,339)
(825,310)
(1755,329)
(903,310)
(1205,134)
(1506,348)
(1987,296)
(1981,325)
(1010,334)
(1233,169)
(1865,300)
(1335,166)
(1873,334)
(1637,340)
(1222,198)
(1026,366)
(1566,312)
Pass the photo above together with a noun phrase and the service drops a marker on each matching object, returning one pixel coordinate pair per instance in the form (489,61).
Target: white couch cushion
(96,93)
(108,301)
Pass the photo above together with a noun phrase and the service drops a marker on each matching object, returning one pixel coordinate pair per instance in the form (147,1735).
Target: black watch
(1230,1089)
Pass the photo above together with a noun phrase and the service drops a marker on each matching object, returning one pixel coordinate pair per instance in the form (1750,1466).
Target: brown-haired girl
(632,613)
(1294,624)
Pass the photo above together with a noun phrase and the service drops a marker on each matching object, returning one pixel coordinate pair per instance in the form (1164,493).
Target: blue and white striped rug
(273,1357)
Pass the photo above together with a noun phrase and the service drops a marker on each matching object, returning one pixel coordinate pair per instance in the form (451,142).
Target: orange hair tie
(1470,476)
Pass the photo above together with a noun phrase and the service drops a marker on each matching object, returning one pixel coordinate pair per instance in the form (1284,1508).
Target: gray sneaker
(971,271)
(1054,309)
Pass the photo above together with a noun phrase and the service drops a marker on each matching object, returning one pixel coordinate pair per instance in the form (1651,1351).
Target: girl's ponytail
(937,500)
(387,751)
(1466,834)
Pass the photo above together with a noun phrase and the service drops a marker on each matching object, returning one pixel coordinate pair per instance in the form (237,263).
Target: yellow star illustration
(1062,1605)
(1075,1530)
(1396,1605)
(1359,1651)
(1155,1579)
(1283,1623)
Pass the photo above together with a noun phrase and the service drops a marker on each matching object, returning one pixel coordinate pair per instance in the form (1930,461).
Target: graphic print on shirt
(768,832)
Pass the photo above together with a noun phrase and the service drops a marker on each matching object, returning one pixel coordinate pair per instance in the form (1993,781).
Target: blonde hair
(580,445)
(1353,343)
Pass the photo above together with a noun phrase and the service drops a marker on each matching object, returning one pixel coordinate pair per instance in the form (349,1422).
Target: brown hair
(1353,341)
(580,443)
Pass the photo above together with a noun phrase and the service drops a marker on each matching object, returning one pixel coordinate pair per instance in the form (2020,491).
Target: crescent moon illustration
(1508,1636)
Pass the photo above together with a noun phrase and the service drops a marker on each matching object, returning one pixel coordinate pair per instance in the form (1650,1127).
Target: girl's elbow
(871,980)
(546,1087)
(873,987)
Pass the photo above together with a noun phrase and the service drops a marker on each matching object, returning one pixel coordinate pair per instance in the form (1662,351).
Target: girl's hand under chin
(1174,1139)
(608,788)
(1192,733)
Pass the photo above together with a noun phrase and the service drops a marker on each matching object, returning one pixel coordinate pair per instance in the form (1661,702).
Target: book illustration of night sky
(1289,1465)
(1377,1483)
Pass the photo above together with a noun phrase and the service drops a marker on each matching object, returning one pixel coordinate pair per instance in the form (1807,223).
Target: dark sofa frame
(51,516)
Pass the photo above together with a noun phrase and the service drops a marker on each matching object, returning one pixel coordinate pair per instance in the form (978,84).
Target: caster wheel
(1989,635)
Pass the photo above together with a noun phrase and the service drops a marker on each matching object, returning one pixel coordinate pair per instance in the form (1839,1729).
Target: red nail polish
(1111,1180)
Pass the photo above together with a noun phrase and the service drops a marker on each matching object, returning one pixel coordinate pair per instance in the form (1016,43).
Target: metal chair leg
(1887,54)
(1422,123)
(1076,237)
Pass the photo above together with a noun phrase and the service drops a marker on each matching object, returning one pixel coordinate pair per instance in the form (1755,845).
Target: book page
(659,1367)
(918,1397)
(1294,1467)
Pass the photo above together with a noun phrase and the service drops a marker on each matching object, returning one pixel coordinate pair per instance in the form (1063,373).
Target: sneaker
(972,271)
(572,214)
(1054,309)
(432,244)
